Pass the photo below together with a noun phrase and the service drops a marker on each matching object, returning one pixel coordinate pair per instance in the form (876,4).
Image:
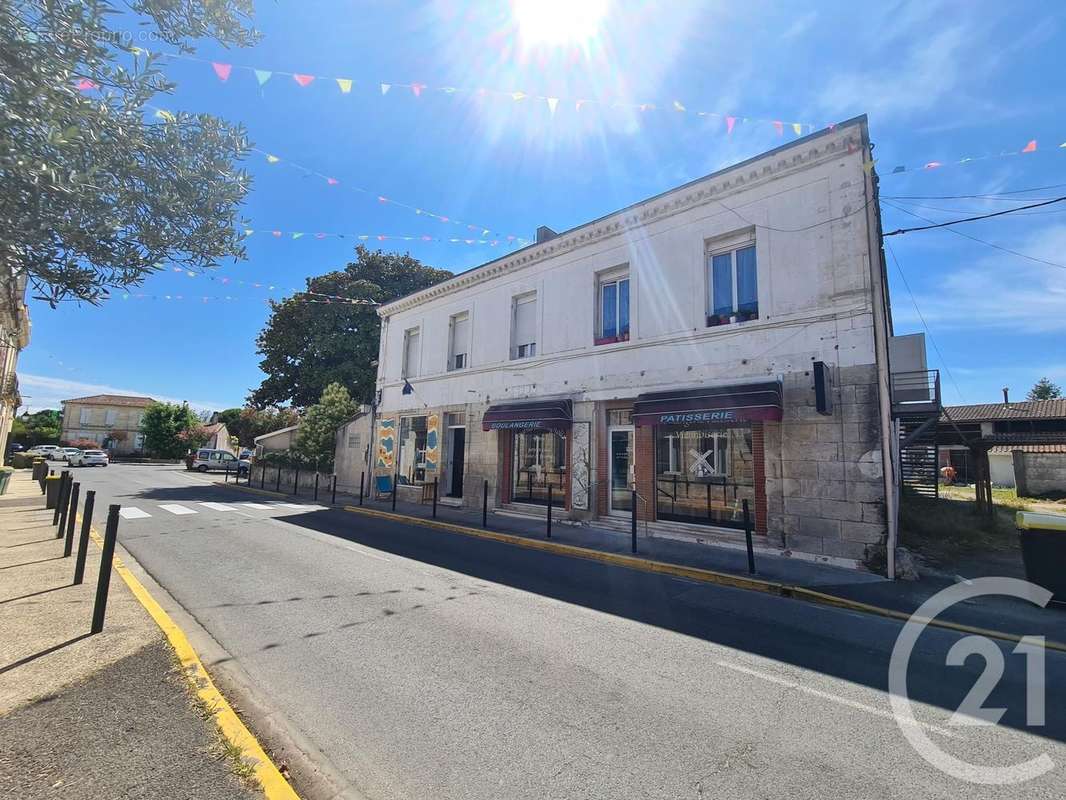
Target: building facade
(14,336)
(112,421)
(351,461)
(721,345)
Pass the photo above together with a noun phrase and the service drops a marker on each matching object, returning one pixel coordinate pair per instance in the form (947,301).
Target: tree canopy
(171,430)
(316,437)
(99,188)
(42,427)
(307,346)
(1044,389)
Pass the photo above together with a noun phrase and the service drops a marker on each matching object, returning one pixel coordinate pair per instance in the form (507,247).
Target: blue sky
(940,81)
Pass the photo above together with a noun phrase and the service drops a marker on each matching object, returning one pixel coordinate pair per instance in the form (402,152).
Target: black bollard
(296,482)
(83,539)
(434,498)
(316,485)
(747,536)
(485,506)
(61,500)
(333,491)
(362,481)
(395,488)
(262,475)
(633,520)
(72,513)
(103,582)
(549,511)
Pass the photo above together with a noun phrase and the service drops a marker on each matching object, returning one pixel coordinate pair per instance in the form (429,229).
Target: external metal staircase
(916,409)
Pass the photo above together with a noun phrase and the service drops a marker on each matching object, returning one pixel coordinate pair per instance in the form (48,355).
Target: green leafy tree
(1044,389)
(307,346)
(99,188)
(247,423)
(43,427)
(171,430)
(315,439)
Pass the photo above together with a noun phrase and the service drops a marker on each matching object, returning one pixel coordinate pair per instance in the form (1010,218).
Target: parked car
(15,447)
(206,459)
(68,452)
(43,450)
(89,458)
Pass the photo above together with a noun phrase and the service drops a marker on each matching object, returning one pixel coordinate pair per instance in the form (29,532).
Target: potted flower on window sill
(745,316)
(718,319)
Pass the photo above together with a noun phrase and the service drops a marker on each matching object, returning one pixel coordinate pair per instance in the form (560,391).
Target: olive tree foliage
(171,430)
(100,184)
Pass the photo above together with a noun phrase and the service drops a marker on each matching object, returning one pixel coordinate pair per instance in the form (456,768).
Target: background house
(113,421)
(352,451)
(218,437)
(1026,443)
(276,441)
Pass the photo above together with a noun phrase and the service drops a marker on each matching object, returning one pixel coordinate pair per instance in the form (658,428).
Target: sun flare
(559,22)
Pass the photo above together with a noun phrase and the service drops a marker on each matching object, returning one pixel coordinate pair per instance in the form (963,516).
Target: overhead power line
(900,231)
(990,196)
(979,241)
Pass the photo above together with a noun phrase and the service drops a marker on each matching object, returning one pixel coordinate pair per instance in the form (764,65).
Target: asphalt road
(429,664)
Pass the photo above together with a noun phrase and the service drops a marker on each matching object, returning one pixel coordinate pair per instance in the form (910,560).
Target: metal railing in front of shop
(714,502)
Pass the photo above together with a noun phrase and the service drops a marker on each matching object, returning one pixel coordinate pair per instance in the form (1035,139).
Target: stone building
(113,421)
(722,343)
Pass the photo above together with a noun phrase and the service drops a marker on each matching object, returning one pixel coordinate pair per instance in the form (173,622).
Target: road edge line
(702,575)
(271,781)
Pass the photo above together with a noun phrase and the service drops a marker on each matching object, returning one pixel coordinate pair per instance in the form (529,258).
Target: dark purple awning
(552,414)
(718,405)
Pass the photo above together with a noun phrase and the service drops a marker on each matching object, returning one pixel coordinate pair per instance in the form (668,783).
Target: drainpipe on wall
(881,334)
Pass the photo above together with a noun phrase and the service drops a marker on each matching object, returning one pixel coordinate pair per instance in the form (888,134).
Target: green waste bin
(1043,540)
(5,476)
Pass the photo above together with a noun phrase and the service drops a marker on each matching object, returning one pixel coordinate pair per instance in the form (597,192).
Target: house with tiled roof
(1026,442)
(112,421)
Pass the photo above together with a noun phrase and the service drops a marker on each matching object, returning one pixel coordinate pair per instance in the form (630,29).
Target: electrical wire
(925,324)
(969,210)
(979,241)
(990,196)
(900,231)
(859,210)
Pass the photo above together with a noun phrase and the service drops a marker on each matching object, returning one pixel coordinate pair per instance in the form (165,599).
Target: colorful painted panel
(432,442)
(386,443)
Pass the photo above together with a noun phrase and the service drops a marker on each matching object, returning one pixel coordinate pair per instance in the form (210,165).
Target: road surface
(427,664)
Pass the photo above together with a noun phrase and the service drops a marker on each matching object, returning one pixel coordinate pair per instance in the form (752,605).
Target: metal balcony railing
(916,392)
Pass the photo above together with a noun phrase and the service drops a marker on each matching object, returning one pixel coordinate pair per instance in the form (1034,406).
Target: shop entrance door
(620,457)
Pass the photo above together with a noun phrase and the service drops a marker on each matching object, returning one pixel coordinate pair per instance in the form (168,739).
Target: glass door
(620,498)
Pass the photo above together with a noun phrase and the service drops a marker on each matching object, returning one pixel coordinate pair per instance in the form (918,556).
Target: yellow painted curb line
(272,782)
(698,574)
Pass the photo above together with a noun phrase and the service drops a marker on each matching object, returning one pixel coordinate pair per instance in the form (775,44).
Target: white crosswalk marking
(132,512)
(218,506)
(260,506)
(174,508)
(298,505)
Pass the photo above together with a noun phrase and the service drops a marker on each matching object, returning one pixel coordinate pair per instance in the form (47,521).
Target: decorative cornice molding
(842,140)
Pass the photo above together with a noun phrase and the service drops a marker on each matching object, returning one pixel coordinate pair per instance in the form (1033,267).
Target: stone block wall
(1039,473)
(824,487)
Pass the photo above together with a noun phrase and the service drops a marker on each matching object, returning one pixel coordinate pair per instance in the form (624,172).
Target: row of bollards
(65,518)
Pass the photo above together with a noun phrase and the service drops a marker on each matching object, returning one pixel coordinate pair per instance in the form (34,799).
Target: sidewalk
(1000,614)
(85,716)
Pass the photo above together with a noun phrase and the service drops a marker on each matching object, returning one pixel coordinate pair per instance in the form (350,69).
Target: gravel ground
(130,731)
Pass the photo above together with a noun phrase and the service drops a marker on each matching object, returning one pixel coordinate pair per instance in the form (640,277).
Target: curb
(271,781)
(679,571)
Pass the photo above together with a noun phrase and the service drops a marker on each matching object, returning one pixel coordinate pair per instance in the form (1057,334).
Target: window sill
(610,339)
(718,320)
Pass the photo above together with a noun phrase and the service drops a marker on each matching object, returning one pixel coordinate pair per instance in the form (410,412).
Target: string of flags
(317,297)
(365,237)
(224,71)
(235,298)
(928,166)
(481,230)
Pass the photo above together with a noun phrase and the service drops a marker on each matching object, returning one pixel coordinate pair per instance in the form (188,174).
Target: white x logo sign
(701,466)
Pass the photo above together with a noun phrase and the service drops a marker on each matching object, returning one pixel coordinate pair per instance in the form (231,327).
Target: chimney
(544,233)
(1006,398)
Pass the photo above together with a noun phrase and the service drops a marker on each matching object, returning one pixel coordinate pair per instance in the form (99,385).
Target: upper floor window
(85,416)
(459,341)
(524,326)
(733,288)
(411,353)
(110,417)
(612,308)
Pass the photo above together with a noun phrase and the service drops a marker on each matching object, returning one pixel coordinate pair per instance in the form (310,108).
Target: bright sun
(556,22)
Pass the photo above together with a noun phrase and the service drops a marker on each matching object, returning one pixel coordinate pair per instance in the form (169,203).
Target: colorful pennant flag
(729,123)
(553,103)
(1031,147)
(385,88)
(222,70)
(262,75)
(345,85)
(303,80)
(85,85)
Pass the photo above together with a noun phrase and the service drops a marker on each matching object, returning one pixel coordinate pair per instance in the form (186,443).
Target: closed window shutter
(86,415)
(525,321)
(411,353)
(460,336)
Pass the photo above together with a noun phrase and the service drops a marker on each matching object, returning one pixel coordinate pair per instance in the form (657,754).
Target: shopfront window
(539,462)
(411,454)
(703,475)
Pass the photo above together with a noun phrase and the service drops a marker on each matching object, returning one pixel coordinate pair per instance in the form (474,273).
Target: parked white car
(89,458)
(207,459)
(44,450)
(67,453)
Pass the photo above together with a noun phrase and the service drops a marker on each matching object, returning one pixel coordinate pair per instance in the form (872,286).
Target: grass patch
(946,529)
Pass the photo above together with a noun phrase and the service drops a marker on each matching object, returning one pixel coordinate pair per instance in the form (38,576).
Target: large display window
(703,474)
(539,462)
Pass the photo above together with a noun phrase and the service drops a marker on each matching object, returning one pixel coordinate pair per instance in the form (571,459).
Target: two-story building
(723,343)
(113,421)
